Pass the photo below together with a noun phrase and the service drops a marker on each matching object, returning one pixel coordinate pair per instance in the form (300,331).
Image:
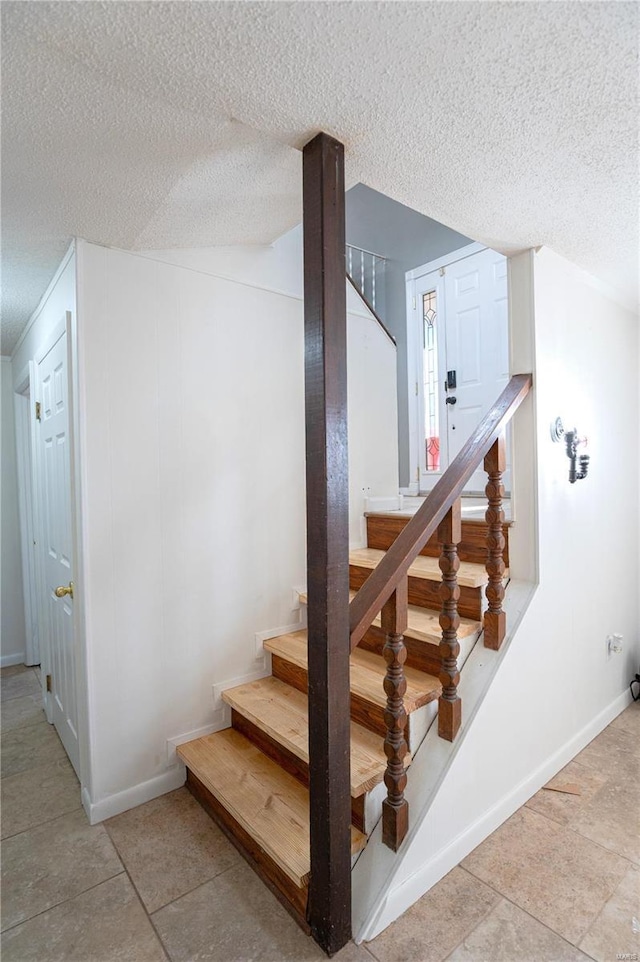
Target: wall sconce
(572,443)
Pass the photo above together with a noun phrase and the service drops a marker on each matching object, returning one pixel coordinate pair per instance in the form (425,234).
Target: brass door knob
(63,590)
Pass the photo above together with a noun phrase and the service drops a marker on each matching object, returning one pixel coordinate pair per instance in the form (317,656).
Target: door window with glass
(460,318)
(430,378)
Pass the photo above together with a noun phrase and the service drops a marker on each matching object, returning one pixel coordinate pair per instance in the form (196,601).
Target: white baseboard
(390,503)
(6,661)
(397,900)
(222,712)
(412,491)
(262,636)
(134,796)
(221,721)
(296,591)
(174,777)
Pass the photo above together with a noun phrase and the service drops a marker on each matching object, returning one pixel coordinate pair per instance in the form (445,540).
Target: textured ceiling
(169,124)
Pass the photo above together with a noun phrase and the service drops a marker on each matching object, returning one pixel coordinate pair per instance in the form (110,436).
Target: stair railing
(386,591)
(334,626)
(372,310)
(366,272)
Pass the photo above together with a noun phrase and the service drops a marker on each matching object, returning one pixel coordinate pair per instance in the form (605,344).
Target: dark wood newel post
(495,619)
(329,901)
(395,808)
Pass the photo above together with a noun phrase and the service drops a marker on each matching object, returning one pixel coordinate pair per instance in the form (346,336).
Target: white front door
(477,325)
(463,315)
(54,470)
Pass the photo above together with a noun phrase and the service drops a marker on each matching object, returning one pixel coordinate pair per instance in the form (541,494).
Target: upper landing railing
(371,309)
(365,273)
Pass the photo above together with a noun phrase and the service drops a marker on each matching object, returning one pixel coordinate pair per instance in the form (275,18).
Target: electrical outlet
(614,644)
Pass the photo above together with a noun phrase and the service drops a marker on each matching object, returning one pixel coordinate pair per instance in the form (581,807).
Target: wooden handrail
(371,309)
(395,565)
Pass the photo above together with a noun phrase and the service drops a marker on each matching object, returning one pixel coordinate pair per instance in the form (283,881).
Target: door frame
(24,412)
(414,357)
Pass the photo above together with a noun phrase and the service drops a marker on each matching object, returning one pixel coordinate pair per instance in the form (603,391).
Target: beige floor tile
(612,933)
(235,917)
(612,818)
(169,846)
(553,874)
(614,754)
(18,683)
(52,863)
(105,924)
(431,928)
(11,670)
(38,796)
(32,747)
(629,721)
(563,807)
(22,712)
(509,934)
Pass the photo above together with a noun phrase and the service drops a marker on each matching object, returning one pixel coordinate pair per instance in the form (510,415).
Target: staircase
(252,778)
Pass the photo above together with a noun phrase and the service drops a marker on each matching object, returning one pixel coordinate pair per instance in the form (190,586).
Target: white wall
(193,489)
(373,415)
(12,626)
(556,687)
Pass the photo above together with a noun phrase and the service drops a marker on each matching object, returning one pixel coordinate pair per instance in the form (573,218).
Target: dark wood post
(449,705)
(395,807)
(495,619)
(325,326)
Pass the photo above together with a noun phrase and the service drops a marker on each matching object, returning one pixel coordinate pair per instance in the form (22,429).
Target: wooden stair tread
(424,623)
(408,513)
(282,713)
(470,575)
(367,672)
(267,802)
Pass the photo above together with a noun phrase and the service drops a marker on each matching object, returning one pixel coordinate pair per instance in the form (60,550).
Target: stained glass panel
(431,381)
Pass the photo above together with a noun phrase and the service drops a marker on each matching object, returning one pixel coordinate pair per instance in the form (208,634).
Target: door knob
(451,400)
(63,590)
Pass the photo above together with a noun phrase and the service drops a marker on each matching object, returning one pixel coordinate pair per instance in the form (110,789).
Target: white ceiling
(178,124)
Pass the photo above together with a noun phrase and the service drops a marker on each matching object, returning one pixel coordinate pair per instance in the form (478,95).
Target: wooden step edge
(225,761)
(468,626)
(368,761)
(295,765)
(470,574)
(292,648)
(401,514)
(249,777)
(293,898)
(366,713)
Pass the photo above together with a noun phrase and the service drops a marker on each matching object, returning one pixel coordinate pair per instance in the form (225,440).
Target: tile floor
(558,882)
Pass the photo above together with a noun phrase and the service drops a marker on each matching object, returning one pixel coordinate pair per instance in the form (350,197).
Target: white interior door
(54,470)
(464,357)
